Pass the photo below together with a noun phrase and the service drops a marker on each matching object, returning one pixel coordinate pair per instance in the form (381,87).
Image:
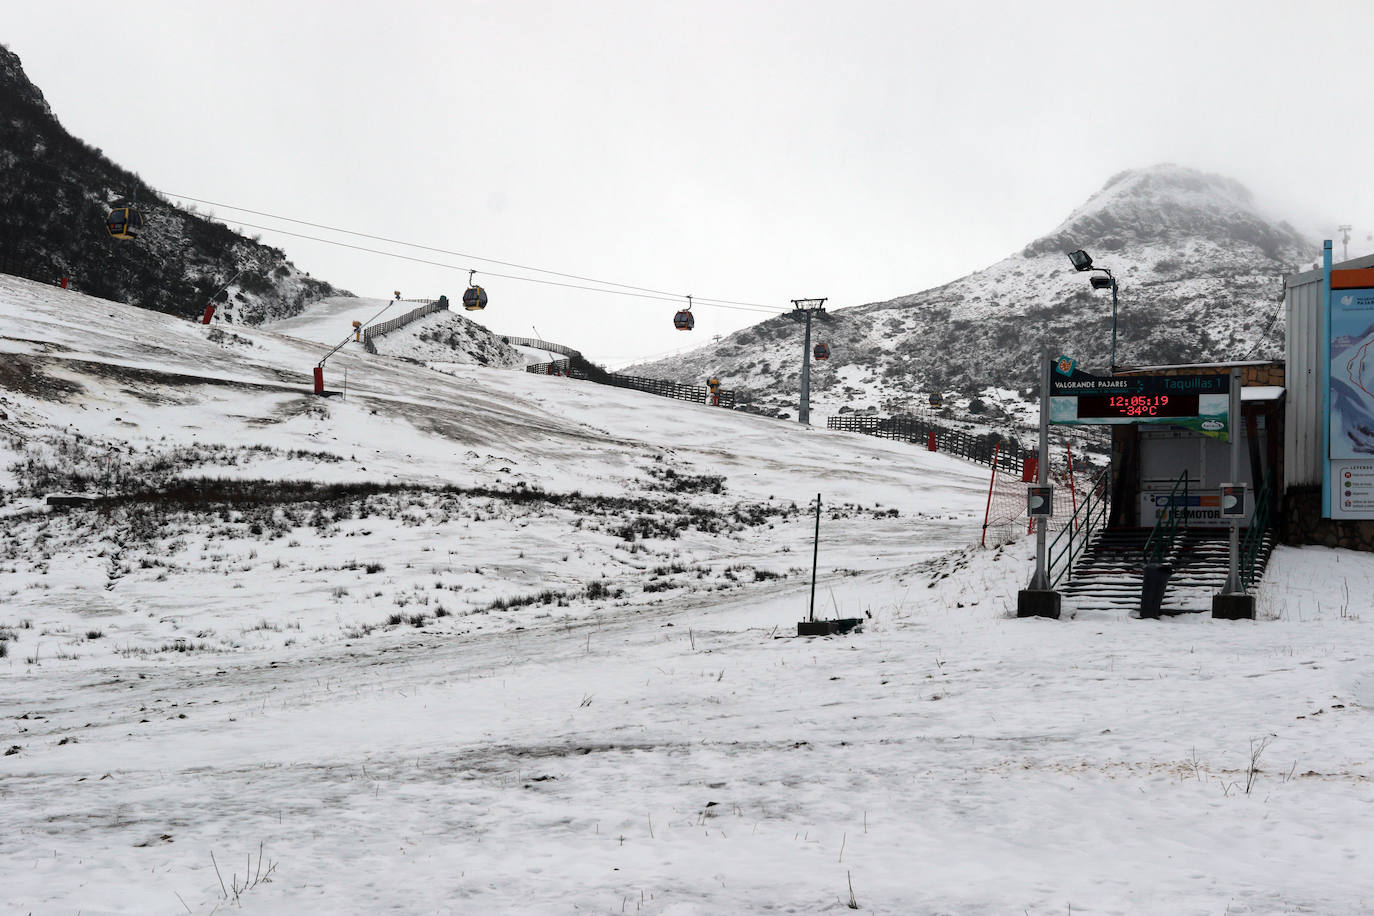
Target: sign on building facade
(1197,402)
(1350,394)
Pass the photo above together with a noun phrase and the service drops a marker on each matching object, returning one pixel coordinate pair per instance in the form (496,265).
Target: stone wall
(1300,523)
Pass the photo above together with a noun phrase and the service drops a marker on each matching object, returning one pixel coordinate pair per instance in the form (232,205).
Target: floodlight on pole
(1082,261)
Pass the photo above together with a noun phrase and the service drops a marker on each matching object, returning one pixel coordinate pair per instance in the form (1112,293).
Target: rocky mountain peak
(1168,204)
(56,195)
(14,83)
(1199,269)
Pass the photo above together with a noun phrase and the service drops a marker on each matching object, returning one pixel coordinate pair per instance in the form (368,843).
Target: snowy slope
(526,656)
(441,337)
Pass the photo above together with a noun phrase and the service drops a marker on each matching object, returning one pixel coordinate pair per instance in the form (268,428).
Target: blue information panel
(1350,398)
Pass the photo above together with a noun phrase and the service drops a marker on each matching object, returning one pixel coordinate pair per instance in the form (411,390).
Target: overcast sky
(749,151)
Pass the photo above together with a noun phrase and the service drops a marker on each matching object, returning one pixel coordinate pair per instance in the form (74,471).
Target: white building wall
(1302,430)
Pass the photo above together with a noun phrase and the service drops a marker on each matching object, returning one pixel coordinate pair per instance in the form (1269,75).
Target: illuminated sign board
(1198,402)
(1108,406)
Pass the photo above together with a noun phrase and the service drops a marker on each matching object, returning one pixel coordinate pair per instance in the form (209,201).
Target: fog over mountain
(1199,272)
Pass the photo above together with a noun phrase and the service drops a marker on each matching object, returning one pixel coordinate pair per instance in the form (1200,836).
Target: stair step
(1109,574)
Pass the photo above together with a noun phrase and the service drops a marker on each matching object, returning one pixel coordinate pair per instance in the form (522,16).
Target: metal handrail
(1161,539)
(1090,516)
(1253,541)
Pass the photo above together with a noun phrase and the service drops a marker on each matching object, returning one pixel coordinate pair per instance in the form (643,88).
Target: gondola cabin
(821,351)
(475,299)
(124,223)
(936,402)
(684,320)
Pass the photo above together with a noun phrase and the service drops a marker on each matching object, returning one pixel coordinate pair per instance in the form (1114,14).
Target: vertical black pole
(804,408)
(815,554)
(1113,324)
(1234,586)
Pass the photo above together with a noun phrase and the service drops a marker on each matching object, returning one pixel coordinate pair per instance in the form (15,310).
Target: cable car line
(458,254)
(406,257)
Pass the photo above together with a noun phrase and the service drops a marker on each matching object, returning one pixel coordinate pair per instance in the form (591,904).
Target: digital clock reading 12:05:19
(1105,406)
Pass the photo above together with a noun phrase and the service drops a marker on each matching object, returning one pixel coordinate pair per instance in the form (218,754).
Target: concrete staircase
(1109,574)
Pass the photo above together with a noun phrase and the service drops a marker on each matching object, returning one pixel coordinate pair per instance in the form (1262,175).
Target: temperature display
(1105,406)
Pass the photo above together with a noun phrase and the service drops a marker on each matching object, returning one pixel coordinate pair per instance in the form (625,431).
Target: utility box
(1233,500)
(1040,501)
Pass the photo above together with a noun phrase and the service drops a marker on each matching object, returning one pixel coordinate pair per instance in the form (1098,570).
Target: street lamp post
(1082,261)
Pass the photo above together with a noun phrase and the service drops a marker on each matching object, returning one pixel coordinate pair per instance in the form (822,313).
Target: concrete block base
(1233,607)
(1037,603)
(828,627)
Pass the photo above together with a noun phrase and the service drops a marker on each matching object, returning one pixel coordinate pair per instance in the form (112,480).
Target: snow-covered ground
(489,642)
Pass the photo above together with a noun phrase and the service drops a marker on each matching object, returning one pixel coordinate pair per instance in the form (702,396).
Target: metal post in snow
(815,555)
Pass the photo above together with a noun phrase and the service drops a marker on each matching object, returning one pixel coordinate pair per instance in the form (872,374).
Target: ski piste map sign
(1350,395)
(1198,402)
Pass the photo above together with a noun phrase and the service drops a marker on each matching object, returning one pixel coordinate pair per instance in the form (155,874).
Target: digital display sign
(1106,406)
(1198,402)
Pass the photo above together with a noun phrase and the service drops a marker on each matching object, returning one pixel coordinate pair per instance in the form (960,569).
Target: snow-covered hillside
(491,642)
(1199,270)
(57,193)
(442,337)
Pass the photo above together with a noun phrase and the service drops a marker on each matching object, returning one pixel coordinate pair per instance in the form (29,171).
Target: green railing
(1090,516)
(1253,541)
(1161,540)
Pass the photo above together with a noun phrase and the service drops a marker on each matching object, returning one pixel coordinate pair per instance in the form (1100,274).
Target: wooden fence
(1011,458)
(429,307)
(576,367)
(536,344)
(29,268)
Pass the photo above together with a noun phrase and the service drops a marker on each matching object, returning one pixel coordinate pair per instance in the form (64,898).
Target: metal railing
(1160,543)
(1012,458)
(1089,517)
(1252,544)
